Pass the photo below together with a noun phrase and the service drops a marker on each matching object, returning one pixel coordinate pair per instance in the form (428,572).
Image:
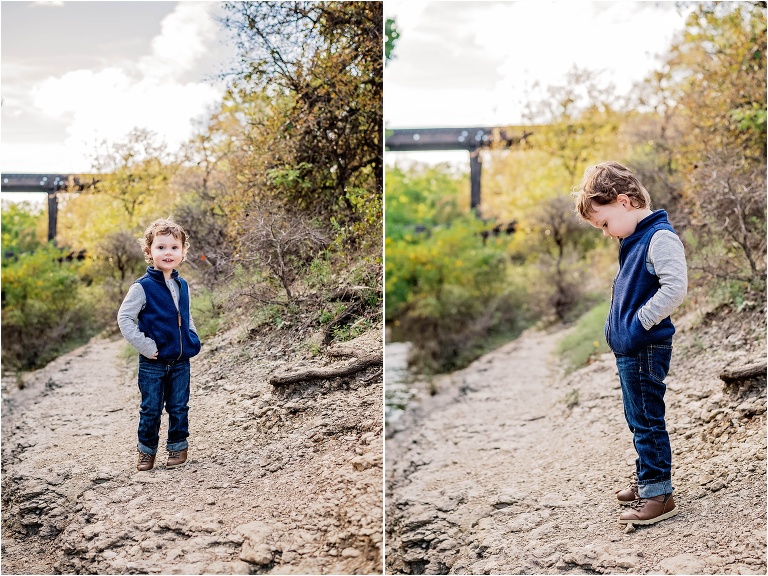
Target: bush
(43,311)
(450,295)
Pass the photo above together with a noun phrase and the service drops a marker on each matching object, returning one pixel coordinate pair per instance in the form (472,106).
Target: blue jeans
(642,390)
(163,383)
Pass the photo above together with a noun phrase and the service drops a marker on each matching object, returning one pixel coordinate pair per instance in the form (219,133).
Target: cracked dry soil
(495,474)
(280,480)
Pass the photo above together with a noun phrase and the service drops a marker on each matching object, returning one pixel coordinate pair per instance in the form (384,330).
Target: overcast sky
(75,73)
(464,64)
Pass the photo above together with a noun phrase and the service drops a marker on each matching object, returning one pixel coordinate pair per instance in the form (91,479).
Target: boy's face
(616,220)
(167,253)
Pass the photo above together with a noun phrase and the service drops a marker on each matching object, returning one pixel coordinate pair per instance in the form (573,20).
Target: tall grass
(587,340)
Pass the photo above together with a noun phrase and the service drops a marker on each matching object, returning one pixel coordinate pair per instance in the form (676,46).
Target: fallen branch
(357,365)
(732,375)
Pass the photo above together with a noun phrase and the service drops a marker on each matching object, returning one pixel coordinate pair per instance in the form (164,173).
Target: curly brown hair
(601,185)
(162,227)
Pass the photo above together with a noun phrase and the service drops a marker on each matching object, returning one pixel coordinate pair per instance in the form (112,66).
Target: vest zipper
(178,313)
(181,342)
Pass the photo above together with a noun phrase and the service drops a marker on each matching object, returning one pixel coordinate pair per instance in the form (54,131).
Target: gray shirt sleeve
(191,322)
(666,259)
(128,321)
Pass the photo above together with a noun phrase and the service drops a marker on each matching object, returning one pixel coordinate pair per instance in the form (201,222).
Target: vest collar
(645,224)
(158,275)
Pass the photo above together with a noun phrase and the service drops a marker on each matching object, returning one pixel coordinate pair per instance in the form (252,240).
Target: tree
(21,228)
(132,171)
(321,65)
(719,67)
(576,122)
(392,35)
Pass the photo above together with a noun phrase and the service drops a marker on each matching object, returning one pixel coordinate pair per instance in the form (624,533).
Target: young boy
(651,282)
(155,319)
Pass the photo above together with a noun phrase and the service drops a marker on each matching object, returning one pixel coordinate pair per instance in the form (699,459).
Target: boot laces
(144,457)
(174,454)
(637,504)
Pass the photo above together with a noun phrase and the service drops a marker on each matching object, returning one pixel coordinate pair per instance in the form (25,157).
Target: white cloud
(108,103)
(183,39)
(514,45)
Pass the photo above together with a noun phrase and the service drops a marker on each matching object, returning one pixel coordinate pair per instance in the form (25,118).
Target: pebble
(259,554)
(717,485)
(350,553)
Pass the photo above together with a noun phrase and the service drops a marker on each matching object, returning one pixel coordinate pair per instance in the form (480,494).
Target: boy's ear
(624,201)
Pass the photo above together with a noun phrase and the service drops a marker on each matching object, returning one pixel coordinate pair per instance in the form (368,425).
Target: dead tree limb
(357,365)
(732,375)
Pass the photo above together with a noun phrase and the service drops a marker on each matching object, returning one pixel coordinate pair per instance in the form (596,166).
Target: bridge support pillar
(475,169)
(53,214)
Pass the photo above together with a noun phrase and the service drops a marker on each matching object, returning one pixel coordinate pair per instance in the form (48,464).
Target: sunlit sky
(77,73)
(463,64)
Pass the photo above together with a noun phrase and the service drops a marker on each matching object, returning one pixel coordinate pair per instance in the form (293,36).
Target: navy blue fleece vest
(632,288)
(160,320)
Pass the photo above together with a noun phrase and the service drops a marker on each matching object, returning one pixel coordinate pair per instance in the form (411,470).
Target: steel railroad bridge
(51,184)
(473,140)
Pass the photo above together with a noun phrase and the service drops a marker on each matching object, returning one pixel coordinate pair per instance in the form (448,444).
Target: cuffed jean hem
(178,446)
(655,489)
(146,449)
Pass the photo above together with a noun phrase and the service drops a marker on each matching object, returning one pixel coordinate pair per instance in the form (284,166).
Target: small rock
(717,485)
(350,553)
(366,461)
(261,554)
(448,544)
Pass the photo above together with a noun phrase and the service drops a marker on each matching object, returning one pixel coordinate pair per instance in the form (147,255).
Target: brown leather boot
(176,458)
(146,461)
(646,511)
(628,494)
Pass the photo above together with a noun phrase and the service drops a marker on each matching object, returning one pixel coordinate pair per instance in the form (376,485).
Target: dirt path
(496,474)
(279,481)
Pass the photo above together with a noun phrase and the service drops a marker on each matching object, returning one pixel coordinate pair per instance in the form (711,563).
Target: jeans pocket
(659,358)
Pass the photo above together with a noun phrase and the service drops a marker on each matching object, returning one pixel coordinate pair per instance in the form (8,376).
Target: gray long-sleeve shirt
(128,318)
(666,259)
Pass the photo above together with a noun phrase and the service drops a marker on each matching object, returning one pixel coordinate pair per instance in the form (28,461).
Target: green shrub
(44,313)
(206,313)
(449,294)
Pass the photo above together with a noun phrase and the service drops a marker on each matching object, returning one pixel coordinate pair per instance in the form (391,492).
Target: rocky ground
(280,480)
(511,467)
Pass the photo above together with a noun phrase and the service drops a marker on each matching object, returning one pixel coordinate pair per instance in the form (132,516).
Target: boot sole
(650,521)
(176,465)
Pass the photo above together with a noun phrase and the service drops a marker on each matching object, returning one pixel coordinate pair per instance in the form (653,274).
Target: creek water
(397,378)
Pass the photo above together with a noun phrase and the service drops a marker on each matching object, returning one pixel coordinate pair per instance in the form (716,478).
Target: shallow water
(397,378)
